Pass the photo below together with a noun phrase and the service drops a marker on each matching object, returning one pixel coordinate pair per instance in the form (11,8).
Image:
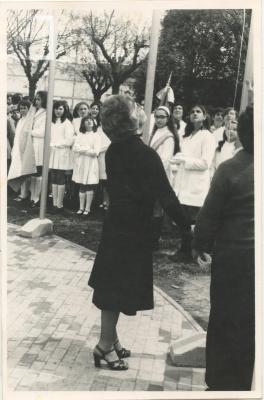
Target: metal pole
(74,77)
(46,155)
(152,59)
(248,74)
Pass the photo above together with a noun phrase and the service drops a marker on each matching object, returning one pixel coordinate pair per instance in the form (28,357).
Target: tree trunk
(31,89)
(97,95)
(115,86)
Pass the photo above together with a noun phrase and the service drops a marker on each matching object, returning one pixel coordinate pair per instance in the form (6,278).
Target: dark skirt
(230,347)
(122,275)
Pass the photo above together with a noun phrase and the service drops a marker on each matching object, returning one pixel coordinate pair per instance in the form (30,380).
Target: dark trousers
(230,347)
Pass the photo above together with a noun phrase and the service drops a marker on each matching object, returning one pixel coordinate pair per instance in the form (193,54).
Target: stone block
(36,227)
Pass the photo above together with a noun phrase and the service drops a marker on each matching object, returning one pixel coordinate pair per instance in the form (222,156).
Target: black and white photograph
(131,200)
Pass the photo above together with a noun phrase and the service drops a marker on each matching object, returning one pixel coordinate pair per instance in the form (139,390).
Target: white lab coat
(192,180)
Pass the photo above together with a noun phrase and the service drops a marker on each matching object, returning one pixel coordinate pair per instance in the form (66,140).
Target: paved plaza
(52,326)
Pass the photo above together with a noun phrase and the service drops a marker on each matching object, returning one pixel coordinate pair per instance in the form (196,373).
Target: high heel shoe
(121,352)
(99,355)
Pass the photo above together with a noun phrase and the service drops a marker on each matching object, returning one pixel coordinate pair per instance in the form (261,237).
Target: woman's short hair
(245,129)
(44,96)
(82,125)
(118,117)
(24,103)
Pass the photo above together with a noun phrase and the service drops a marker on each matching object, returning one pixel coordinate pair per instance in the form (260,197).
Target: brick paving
(52,326)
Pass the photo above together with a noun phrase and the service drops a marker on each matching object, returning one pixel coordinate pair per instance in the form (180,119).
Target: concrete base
(36,227)
(189,351)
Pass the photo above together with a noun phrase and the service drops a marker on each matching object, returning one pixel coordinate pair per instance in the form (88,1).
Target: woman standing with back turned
(122,276)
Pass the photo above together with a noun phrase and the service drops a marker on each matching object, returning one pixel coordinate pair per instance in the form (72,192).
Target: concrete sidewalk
(52,326)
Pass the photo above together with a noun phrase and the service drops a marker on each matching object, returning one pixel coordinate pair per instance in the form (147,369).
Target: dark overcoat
(122,275)
(225,226)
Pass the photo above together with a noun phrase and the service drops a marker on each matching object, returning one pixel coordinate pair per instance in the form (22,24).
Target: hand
(203,259)
(90,153)
(195,255)
(179,158)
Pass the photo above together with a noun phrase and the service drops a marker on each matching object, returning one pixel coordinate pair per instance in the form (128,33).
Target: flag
(166,94)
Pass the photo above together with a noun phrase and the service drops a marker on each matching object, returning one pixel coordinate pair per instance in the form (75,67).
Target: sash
(160,141)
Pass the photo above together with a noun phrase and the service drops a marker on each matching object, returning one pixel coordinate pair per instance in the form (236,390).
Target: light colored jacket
(62,137)
(193,177)
(38,133)
(86,149)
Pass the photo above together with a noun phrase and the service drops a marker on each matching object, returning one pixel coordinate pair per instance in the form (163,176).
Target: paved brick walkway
(52,326)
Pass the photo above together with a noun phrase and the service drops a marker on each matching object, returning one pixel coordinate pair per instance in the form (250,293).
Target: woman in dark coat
(225,227)
(122,275)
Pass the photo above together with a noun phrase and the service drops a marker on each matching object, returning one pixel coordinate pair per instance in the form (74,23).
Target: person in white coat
(177,115)
(15,168)
(165,141)
(38,133)
(227,147)
(194,162)
(61,161)
(86,147)
(230,114)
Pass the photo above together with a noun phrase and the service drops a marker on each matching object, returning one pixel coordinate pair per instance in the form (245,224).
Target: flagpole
(152,60)
(46,154)
(248,74)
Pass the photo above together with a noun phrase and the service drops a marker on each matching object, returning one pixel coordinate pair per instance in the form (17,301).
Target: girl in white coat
(86,167)
(38,133)
(164,138)
(227,147)
(15,168)
(194,161)
(61,163)
(105,142)
(165,141)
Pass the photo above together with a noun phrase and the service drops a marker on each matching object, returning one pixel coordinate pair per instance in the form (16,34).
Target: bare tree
(98,80)
(117,46)
(28,39)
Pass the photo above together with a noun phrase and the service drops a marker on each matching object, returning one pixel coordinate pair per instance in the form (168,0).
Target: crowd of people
(190,149)
(77,151)
(199,171)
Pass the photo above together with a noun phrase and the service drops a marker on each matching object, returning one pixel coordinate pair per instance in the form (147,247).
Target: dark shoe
(181,256)
(59,210)
(86,213)
(121,351)
(34,204)
(99,355)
